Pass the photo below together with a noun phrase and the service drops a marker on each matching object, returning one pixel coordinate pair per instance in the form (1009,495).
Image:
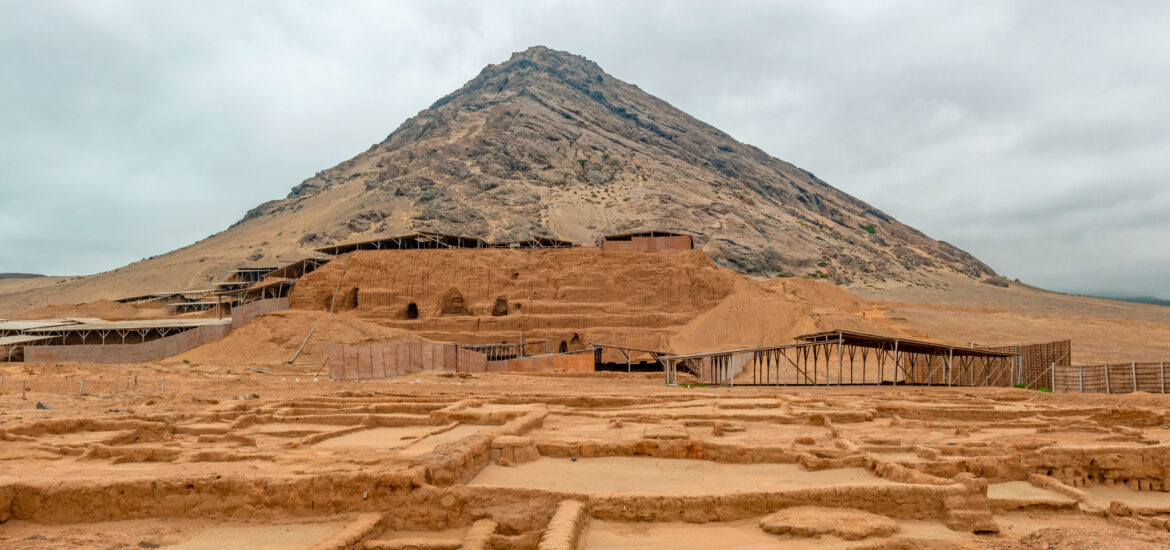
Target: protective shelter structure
(413,241)
(429,240)
(502,351)
(849,358)
(611,357)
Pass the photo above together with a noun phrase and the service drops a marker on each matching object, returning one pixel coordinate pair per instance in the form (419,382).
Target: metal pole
(1133,369)
(1162,379)
(785,366)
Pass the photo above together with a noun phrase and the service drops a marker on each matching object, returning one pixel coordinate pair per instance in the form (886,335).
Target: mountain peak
(546,143)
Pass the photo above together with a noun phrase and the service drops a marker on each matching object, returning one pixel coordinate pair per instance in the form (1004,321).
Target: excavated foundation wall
(129,353)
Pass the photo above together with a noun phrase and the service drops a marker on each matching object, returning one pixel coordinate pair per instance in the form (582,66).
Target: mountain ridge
(547,143)
(632,137)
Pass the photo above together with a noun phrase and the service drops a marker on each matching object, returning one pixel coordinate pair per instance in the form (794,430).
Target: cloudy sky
(1035,135)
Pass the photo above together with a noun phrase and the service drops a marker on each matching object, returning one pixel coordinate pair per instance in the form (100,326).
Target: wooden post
(785,366)
(1082,379)
(164,382)
(22,390)
(1107,379)
(310,335)
(1162,379)
(840,350)
(1133,369)
(897,356)
(333,302)
(81,389)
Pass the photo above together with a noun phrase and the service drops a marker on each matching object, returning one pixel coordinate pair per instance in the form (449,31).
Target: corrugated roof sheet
(134,325)
(11,340)
(28,325)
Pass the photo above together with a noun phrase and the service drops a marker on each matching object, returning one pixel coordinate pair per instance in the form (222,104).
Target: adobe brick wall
(128,353)
(651,244)
(577,361)
(244,314)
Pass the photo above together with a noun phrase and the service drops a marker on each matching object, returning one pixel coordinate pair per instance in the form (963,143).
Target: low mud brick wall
(361,362)
(651,244)
(129,353)
(244,314)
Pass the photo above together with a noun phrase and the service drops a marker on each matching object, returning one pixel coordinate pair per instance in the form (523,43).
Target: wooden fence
(364,362)
(1036,363)
(1116,378)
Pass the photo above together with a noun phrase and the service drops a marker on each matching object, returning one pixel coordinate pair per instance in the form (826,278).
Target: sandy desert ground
(229,457)
(227,445)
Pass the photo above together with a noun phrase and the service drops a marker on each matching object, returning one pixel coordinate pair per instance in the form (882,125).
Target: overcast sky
(1035,135)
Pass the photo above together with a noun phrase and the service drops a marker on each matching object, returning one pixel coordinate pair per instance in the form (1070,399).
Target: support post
(22,390)
(164,383)
(1162,378)
(1082,384)
(896,358)
(785,366)
(1133,370)
(1107,390)
(840,350)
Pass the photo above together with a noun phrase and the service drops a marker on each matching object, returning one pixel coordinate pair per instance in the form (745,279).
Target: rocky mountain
(547,143)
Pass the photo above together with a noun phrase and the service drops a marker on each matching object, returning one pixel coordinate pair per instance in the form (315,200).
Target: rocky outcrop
(547,143)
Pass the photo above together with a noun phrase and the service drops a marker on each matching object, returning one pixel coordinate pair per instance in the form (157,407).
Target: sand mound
(813,521)
(274,338)
(101,309)
(818,294)
(751,316)
(775,312)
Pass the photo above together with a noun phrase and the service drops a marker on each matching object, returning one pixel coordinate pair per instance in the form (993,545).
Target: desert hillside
(547,143)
